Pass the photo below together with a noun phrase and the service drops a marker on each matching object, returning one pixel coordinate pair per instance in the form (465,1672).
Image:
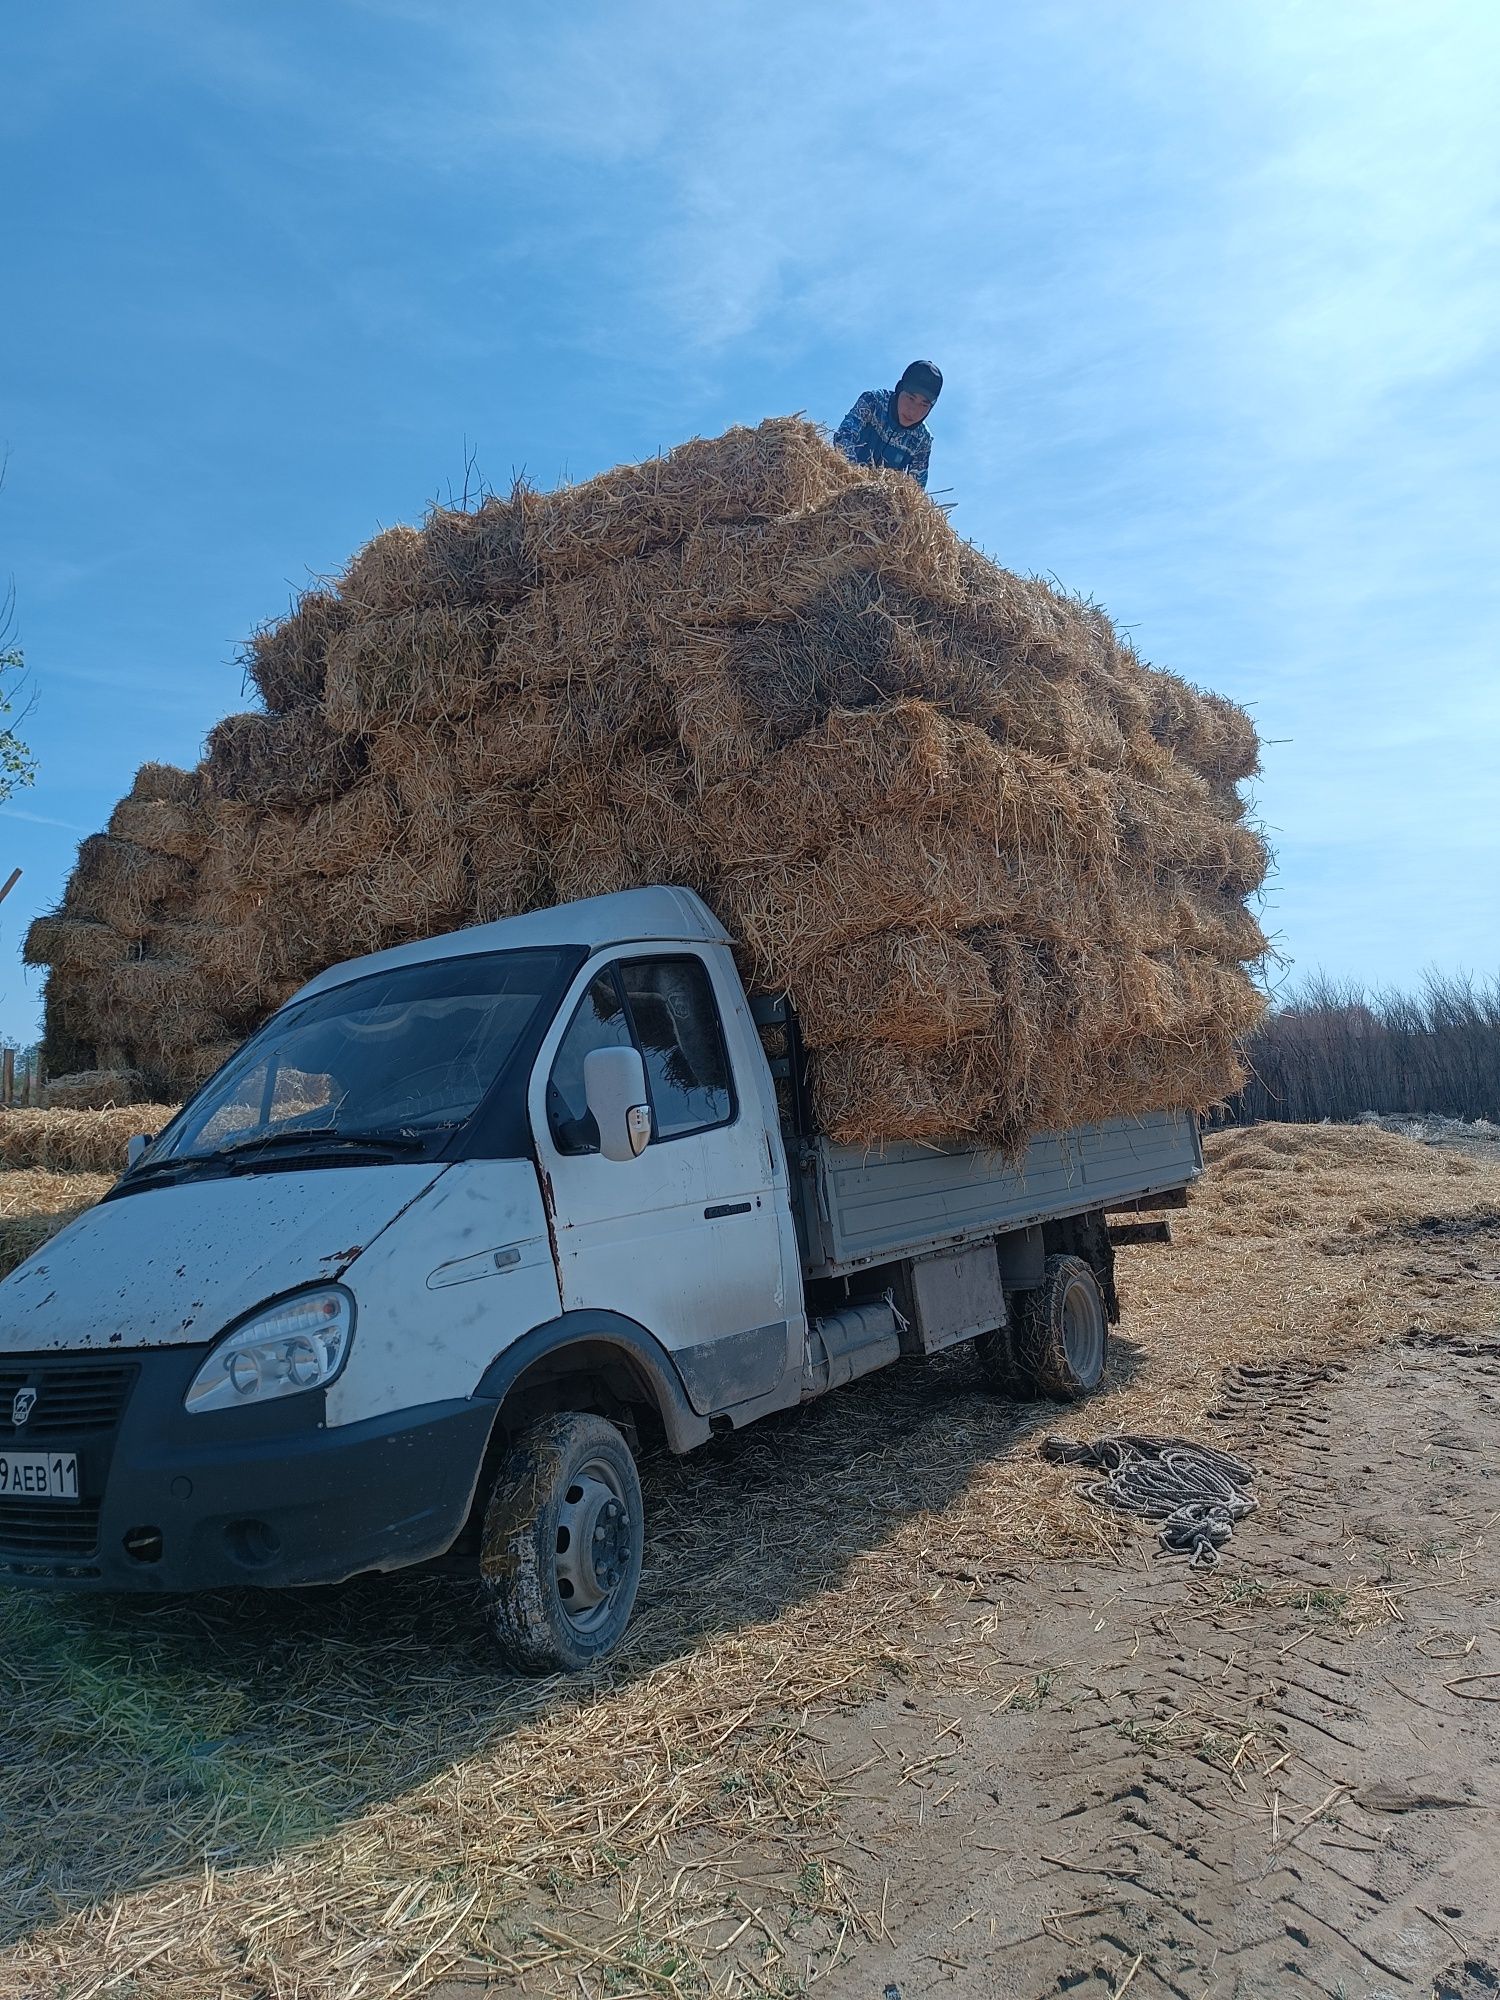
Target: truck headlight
(302,1343)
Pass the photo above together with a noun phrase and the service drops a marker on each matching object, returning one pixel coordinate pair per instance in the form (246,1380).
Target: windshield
(402,1056)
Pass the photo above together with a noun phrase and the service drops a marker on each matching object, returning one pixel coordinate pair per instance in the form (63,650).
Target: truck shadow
(146,1738)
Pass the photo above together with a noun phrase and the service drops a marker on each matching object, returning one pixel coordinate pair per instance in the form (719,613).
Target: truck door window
(599,1023)
(677,1030)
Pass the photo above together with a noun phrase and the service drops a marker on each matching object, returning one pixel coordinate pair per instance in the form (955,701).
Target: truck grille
(71,1397)
(46,1531)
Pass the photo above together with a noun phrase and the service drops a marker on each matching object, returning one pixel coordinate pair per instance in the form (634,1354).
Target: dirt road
(899,1711)
(1281,1778)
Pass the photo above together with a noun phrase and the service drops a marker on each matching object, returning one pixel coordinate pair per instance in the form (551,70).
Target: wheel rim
(1083,1331)
(595,1545)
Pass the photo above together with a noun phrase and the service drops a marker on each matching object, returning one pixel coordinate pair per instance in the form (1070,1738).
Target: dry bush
(1335,1050)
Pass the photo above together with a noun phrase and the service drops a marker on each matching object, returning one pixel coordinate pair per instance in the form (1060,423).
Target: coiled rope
(1196,1493)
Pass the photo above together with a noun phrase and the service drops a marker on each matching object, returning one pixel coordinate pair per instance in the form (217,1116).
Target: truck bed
(857,1208)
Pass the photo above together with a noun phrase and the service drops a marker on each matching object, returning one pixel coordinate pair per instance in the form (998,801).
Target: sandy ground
(900,1713)
(1229,1785)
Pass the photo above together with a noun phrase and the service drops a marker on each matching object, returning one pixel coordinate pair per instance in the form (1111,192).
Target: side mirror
(134,1147)
(614,1088)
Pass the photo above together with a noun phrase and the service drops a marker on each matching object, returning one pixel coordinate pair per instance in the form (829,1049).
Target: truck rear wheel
(563,1537)
(1059,1338)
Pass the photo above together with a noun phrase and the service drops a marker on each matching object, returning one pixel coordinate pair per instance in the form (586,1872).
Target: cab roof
(633,916)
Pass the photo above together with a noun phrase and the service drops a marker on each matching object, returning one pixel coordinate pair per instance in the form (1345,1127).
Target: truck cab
(459,1232)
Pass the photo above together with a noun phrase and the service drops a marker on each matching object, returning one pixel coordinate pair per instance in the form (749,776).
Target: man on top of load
(886,426)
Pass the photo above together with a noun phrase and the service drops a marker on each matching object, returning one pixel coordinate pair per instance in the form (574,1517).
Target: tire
(560,1553)
(1060,1335)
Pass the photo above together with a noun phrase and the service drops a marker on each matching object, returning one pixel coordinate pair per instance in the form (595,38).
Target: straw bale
(74,944)
(1230,858)
(874,1094)
(482,555)
(1212,923)
(857,764)
(77,1142)
(1232,748)
(224,887)
(884,527)
(196,1065)
(724,577)
(287,658)
(1210,733)
(227,962)
(861,643)
(783,466)
(161,827)
(397,896)
(159,1006)
(94,1089)
(887,876)
(346,834)
(293,760)
(166,784)
(1021,620)
(388,575)
(125,886)
(411,666)
(236,966)
(69,1034)
(717,721)
(905,760)
(507,871)
(922,989)
(654,797)
(292,937)
(451,770)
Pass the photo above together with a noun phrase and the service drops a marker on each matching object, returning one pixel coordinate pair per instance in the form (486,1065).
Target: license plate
(38,1475)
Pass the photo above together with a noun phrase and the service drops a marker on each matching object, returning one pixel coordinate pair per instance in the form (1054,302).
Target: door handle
(723,1208)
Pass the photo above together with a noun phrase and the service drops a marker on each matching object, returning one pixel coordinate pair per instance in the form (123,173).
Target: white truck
(468,1225)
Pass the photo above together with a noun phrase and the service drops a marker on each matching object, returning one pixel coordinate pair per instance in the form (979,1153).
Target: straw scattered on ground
(337,1795)
(35,1204)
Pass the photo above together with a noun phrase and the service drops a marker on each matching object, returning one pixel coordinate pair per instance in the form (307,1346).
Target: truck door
(686,1239)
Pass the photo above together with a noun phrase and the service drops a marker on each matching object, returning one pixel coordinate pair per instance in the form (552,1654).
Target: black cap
(922,379)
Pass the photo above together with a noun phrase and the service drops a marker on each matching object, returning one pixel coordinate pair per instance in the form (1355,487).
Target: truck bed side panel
(863,1208)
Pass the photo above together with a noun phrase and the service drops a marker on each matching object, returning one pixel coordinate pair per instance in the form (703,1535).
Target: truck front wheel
(1058,1339)
(560,1555)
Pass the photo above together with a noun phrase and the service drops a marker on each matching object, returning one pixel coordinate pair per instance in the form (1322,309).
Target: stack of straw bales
(1000,865)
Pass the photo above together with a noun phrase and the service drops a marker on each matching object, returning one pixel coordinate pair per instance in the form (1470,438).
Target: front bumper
(263,1497)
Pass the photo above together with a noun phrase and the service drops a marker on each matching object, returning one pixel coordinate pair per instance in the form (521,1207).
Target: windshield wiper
(320,1136)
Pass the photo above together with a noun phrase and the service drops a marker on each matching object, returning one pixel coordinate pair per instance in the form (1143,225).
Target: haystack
(1000,865)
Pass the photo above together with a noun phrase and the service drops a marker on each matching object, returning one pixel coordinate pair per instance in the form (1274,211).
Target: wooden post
(8,1076)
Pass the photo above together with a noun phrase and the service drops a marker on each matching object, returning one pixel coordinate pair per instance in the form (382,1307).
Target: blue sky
(1216,290)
